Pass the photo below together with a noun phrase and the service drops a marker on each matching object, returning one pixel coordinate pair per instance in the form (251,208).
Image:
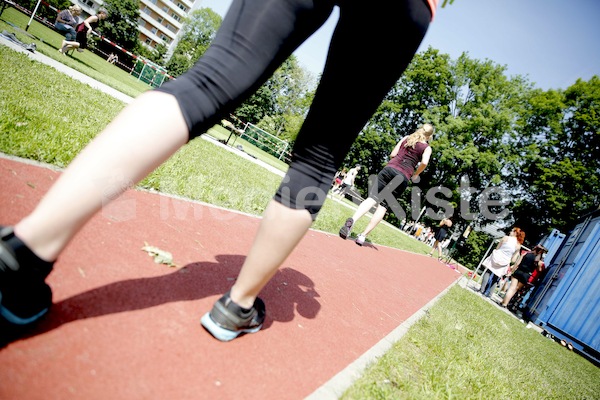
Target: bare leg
(514,286)
(115,160)
(67,45)
(435,245)
(377,217)
(142,137)
(439,248)
(363,208)
(280,225)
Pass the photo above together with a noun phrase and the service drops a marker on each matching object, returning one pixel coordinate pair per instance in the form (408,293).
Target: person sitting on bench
(67,20)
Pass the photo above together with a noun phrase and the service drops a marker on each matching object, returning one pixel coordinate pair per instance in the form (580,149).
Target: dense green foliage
(121,25)
(43,10)
(197,33)
(493,133)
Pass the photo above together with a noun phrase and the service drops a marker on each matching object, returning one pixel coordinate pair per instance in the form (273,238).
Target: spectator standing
(348,181)
(506,252)
(440,235)
(337,180)
(523,271)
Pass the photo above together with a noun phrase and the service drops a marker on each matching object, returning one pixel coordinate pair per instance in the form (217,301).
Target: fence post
(284,149)
(33,14)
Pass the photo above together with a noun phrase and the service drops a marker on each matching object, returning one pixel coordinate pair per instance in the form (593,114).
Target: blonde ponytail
(420,135)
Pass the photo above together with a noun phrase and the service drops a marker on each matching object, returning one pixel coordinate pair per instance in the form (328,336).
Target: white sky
(552,42)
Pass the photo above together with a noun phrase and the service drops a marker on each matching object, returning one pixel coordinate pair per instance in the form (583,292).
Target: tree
(280,104)
(560,175)
(258,107)
(474,248)
(196,35)
(121,25)
(45,12)
(158,54)
(473,107)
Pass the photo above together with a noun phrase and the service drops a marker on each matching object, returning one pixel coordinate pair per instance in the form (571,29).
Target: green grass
(221,133)
(49,41)
(463,348)
(46,115)
(202,171)
(466,348)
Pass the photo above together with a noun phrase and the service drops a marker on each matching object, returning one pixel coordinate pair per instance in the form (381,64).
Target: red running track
(124,327)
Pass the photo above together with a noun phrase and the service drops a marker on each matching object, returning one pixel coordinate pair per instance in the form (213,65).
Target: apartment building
(160,20)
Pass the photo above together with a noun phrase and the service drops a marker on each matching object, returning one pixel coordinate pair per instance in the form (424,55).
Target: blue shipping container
(552,242)
(567,302)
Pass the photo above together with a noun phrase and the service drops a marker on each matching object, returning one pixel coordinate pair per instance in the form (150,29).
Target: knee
(305,187)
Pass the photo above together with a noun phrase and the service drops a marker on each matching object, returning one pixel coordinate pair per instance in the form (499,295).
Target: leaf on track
(160,256)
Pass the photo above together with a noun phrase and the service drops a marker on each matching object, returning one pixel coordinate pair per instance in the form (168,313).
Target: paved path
(124,327)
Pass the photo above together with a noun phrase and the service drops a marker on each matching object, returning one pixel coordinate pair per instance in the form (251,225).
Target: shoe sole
(13,327)
(222,334)
(343,233)
(345,230)
(15,320)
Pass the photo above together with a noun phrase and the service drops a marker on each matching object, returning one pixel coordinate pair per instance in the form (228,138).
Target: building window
(176,17)
(159,20)
(154,30)
(148,41)
(184,8)
(146,10)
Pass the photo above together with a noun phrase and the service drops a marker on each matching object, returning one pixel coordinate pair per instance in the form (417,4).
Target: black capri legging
(391,179)
(258,35)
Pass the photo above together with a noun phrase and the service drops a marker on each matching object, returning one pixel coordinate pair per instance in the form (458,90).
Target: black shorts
(441,234)
(522,276)
(389,176)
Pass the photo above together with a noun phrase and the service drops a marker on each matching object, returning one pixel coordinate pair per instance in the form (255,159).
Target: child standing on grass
(256,36)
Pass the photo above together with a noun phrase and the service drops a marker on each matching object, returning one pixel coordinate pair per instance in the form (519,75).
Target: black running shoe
(227,320)
(347,228)
(24,295)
